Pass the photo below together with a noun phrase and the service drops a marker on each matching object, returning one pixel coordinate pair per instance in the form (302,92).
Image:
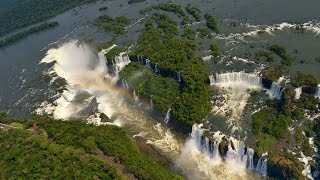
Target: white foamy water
(202,159)
(235,96)
(91,91)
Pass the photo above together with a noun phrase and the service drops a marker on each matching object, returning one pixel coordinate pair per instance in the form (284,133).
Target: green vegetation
(268,121)
(189,34)
(117,25)
(114,52)
(215,50)
(135,1)
(73,151)
(281,51)
(266,54)
(285,166)
(273,73)
(163,91)
(212,23)
(195,12)
(169,7)
(16,37)
(23,13)
(304,80)
(26,156)
(204,32)
(164,47)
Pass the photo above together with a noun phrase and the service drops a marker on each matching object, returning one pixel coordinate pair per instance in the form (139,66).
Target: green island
(135,1)
(20,35)
(117,25)
(165,48)
(41,147)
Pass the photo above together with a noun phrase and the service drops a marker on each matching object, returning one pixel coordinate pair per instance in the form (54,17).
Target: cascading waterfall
(156,70)
(178,77)
(239,78)
(88,80)
(148,64)
(125,84)
(235,87)
(212,79)
(168,116)
(298,92)
(151,103)
(119,63)
(135,97)
(317,94)
(205,154)
(276,90)
(262,165)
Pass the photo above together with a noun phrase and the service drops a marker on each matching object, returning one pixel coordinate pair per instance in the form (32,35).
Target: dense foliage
(195,12)
(281,51)
(189,34)
(273,73)
(212,23)
(304,80)
(23,13)
(264,54)
(84,138)
(117,25)
(204,32)
(163,91)
(16,37)
(164,47)
(215,51)
(28,155)
(135,1)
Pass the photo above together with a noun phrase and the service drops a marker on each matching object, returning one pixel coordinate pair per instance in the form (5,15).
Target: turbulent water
(91,90)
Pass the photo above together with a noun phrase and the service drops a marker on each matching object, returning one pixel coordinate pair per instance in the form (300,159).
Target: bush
(116,25)
(212,23)
(281,51)
(195,12)
(215,50)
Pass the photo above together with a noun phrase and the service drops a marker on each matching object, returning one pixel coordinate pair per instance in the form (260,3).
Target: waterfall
(103,58)
(148,64)
(262,165)
(276,90)
(250,153)
(317,94)
(178,77)
(119,63)
(156,70)
(151,102)
(238,77)
(168,116)
(298,92)
(212,79)
(135,97)
(125,83)
(238,159)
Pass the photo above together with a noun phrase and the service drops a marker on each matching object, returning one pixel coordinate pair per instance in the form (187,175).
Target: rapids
(88,80)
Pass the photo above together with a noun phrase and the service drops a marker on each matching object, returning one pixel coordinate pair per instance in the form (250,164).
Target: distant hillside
(16,14)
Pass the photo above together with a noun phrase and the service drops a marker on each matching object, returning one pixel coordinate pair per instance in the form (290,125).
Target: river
(25,84)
